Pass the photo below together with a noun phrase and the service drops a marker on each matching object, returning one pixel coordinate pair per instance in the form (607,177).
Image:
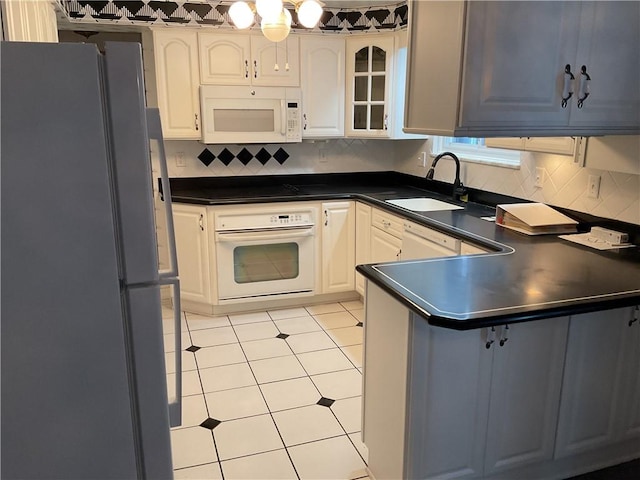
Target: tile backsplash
(565,183)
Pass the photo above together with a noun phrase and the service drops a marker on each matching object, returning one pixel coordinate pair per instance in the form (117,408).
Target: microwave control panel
(294,130)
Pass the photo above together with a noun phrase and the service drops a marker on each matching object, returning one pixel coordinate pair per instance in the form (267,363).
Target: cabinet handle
(386,224)
(196,122)
(201,222)
(326,218)
(491,337)
(304,116)
(504,338)
(255,69)
(636,316)
(585,81)
(246,69)
(386,121)
(567,91)
(398,254)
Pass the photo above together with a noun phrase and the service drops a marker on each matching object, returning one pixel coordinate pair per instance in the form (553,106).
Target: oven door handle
(263,235)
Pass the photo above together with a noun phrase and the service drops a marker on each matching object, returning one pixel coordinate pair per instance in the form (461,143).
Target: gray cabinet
(484,68)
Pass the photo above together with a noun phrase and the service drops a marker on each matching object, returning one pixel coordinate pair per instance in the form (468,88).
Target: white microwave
(250,114)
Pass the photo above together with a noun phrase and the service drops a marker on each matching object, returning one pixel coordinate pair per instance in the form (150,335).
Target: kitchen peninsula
(519,363)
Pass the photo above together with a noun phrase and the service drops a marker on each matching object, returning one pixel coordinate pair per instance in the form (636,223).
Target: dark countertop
(526,278)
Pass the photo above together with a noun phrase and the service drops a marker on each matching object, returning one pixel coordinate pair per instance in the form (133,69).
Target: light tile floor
(270,395)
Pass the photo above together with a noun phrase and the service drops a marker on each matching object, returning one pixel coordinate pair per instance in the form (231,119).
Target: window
(474,150)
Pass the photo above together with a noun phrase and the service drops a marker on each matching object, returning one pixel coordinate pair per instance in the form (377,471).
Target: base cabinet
(363,241)
(504,410)
(543,399)
(338,247)
(603,353)
(192,246)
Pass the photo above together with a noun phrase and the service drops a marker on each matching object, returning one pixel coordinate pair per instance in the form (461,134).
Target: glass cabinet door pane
(360,117)
(377,88)
(361,88)
(362,60)
(377,117)
(378,59)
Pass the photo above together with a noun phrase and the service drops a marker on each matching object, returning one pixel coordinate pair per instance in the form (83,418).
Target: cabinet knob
(567,91)
(585,81)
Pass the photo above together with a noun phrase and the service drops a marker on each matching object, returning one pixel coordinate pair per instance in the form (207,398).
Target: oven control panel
(253,220)
(290,219)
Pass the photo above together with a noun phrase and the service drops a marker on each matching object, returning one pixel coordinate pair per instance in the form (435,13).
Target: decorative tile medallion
(210,423)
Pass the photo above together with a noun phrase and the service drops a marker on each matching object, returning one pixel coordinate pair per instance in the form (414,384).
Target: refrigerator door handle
(155,133)
(175,405)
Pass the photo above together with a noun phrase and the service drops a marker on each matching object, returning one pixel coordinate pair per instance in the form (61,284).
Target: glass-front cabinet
(369,77)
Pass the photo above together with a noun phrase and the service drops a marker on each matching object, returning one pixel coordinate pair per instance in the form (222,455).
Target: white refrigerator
(84,392)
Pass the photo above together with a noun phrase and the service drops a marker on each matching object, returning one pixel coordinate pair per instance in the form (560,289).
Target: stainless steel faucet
(459,189)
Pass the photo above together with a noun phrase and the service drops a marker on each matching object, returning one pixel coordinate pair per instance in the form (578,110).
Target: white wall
(565,183)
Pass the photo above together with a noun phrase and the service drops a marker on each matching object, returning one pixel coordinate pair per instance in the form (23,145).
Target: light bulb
(277,30)
(309,13)
(269,10)
(241,15)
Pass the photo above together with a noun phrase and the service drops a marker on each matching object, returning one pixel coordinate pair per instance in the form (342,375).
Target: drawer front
(387,223)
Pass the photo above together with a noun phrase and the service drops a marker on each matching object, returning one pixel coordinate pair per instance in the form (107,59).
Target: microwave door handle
(283,118)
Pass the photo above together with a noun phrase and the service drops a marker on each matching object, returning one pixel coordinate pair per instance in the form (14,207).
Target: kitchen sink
(421,204)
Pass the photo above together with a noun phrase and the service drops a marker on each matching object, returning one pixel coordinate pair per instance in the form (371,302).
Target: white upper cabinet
(239,59)
(177,80)
(29,21)
(486,69)
(322,77)
(369,77)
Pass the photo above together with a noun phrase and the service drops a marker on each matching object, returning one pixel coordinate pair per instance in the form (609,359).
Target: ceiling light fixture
(275,19)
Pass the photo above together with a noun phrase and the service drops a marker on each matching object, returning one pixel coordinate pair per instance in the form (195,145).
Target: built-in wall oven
(265,253)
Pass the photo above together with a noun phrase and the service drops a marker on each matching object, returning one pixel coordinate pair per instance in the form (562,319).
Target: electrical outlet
(322,155)
(422,159)
(593,187)
(180,160)
(539,179)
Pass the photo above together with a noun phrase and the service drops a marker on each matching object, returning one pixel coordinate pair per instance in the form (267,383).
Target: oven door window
(263,263)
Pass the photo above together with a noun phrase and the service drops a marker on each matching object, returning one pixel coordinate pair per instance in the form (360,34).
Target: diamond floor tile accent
(325,402)
(210,423)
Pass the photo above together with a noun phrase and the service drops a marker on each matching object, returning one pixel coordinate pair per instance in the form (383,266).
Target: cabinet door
(525,393)
(322,76)
(384,247)
(369,77)
(225,59)
(450,378)
(608,49)
(514,67)
(363,241)
(338,247)
(630,407)
(193,254)
(177,77)
(29,21)
(275,64)
(591,387)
